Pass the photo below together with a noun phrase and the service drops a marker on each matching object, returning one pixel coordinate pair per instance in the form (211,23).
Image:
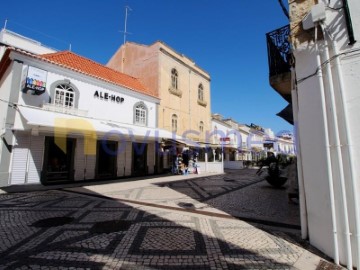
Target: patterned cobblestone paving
(99,233)
(156,239)
(243,195)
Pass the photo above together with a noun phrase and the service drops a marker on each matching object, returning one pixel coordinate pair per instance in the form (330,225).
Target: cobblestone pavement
(58,229)
(237,193)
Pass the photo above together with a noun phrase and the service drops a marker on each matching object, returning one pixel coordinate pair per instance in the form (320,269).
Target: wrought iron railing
(279,52)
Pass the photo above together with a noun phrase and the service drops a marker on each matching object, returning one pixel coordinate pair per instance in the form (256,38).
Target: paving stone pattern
(155,239)
(93,227)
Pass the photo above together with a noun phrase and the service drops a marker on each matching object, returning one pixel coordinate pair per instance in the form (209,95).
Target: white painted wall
(16,40)
(225,130)
(96,108)
(312,133)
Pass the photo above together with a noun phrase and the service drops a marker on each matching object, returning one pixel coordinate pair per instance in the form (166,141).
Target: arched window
(174,120)
(201,92)
(174,78)
(140,114)
(64,96)
(201,127)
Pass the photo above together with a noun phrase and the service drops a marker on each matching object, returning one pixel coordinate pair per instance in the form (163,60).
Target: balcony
(279,57)
(175,91)
(60,109)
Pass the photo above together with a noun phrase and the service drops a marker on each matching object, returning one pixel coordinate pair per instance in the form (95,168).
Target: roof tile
(89,67)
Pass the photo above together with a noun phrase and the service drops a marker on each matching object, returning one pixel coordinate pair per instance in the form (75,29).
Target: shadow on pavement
(58,229)
(241,194)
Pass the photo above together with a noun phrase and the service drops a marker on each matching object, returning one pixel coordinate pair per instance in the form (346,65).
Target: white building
(226,138)
(67,118)
(322,82)
(12,39)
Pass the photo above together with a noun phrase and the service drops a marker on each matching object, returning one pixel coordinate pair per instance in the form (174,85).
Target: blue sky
(225,38)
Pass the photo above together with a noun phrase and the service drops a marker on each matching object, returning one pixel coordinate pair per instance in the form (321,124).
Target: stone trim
(202,102)
(175,92)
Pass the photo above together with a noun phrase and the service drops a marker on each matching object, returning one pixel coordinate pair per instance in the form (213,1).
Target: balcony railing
(279,52)
(68,110)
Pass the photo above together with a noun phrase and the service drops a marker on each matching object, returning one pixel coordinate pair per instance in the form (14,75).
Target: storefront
(58,165)
(72,125)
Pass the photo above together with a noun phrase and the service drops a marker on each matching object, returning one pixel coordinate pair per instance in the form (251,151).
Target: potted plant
(275,165)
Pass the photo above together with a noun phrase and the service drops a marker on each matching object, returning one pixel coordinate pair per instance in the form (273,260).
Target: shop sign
(106,96)
(35,81)
(225,140)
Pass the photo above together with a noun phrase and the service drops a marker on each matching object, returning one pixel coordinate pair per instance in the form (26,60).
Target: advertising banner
(35,81)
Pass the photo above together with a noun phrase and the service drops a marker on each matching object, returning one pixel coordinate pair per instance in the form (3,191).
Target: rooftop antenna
(126,14)
(5,24)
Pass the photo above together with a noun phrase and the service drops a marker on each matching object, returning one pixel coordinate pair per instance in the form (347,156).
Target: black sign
(35,81)
(107,96)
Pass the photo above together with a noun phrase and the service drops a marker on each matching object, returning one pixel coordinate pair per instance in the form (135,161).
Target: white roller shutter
(19,159)
(35,161)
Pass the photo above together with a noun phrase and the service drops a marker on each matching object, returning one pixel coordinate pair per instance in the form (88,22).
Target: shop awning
(181,141)
(60,122)
(287,114)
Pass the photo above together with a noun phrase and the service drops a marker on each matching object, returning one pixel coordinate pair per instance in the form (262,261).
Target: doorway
(58,165)
(106,159)
(139,164)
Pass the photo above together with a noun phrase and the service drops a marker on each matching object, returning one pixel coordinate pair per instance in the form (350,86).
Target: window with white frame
(140,113)
(174,78)
(64,96)
(174,120)
(201,92)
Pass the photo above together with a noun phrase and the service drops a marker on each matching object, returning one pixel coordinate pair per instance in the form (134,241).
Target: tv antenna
(127,8)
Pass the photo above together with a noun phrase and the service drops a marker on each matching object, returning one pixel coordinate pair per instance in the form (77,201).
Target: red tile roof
(88,67)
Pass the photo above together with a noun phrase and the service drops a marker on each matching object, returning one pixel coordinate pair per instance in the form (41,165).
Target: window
(201,92)
(200,99)
(174,78)
(174,122)
(140,113)
(64,96)
(201,126)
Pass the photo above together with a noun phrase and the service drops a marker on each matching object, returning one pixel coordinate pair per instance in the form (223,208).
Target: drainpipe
(334,124)
(348,23)
(28,160)
(303,211)
(327,150)
(349,145)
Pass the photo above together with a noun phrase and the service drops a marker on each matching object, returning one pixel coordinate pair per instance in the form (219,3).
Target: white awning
(60,122)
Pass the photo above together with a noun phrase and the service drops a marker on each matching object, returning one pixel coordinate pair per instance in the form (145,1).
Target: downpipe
(327,151)
(348,146)
(334,123)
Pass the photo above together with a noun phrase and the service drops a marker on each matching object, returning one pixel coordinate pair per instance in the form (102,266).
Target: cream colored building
(182,86)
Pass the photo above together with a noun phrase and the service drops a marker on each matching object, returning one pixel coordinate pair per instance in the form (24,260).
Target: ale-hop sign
(35,81)
(107,96)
